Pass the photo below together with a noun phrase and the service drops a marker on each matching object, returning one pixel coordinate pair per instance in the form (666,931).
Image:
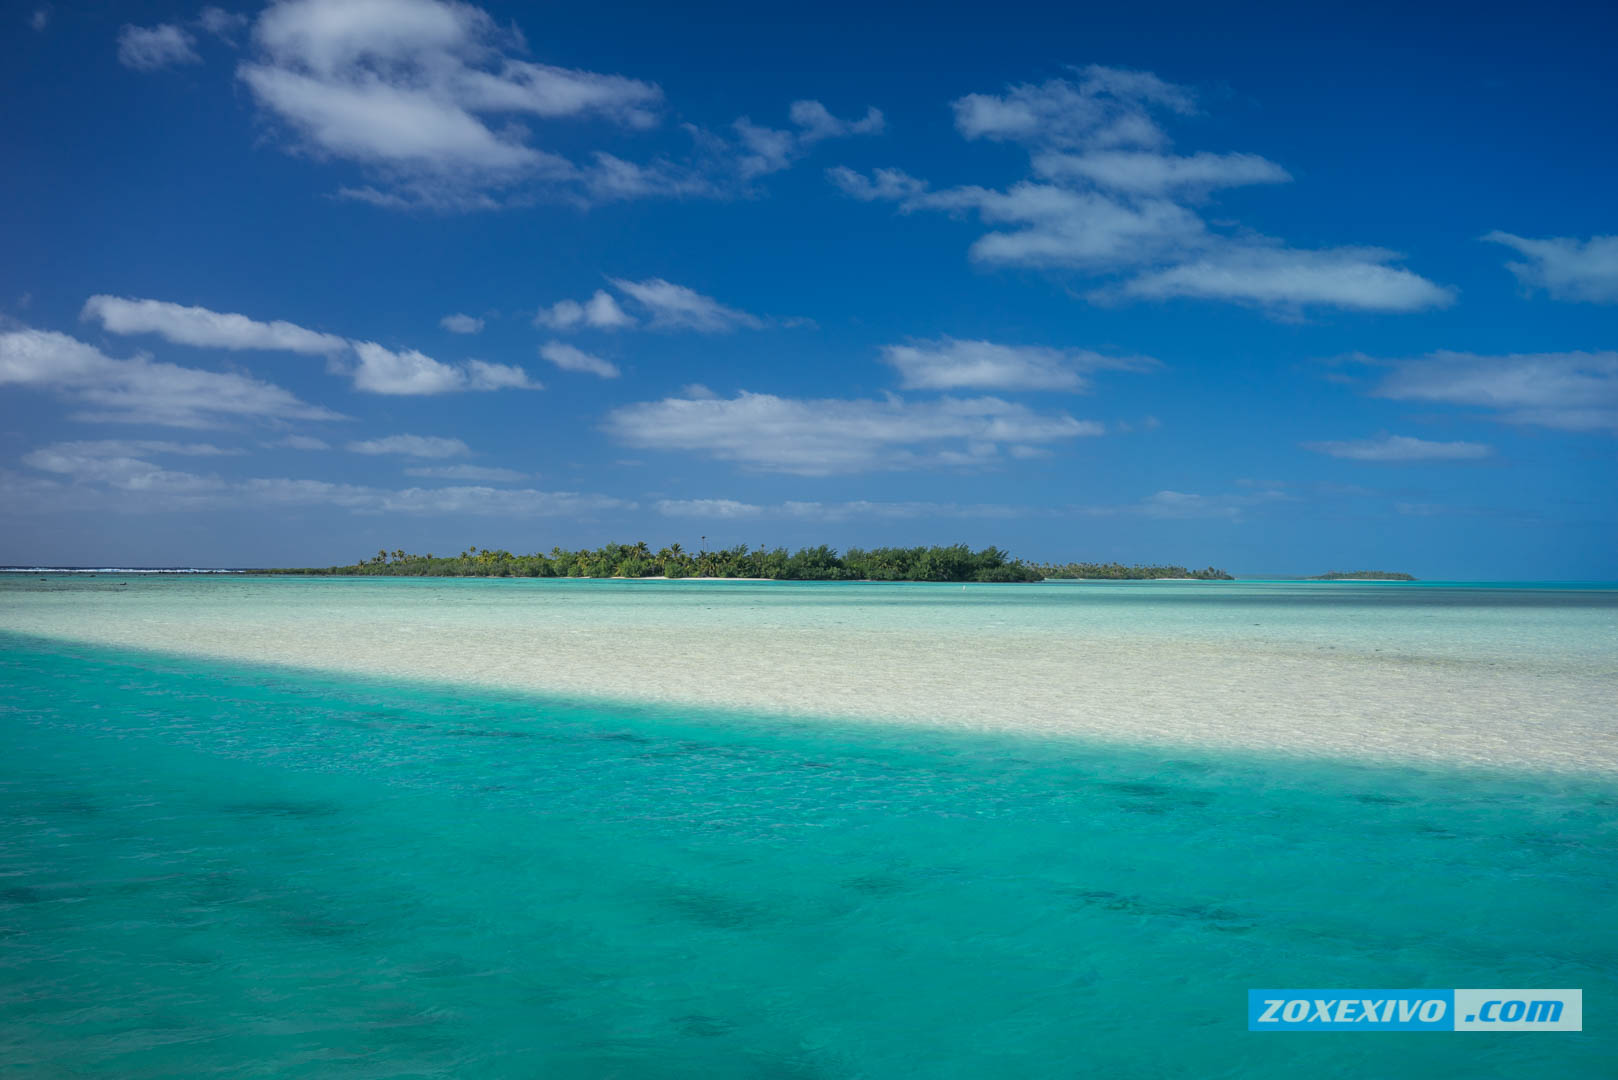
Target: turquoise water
(210,869)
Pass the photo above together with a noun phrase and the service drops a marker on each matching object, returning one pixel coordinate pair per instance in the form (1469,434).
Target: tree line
(956,562)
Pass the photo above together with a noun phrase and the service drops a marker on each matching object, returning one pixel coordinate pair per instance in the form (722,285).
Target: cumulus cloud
(817,437)
(461,324)
(1573,391)
(1107,198)
(948,364)
(568,358)
(140,390)
(1400,448)
(420,446)
(1566,268)
(434,98)
(149,48)
(423,91)
(600,312)
(198,326)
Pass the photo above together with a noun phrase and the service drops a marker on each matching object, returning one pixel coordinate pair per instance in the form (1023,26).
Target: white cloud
(1105,107)
(1567,268)
(948,364)
(112,464)
(765,150)
(676,307)
(1181,505)
(378,370)
(568,358)
(487,474)
(1399,448)
(412,372)
(421,446)
(1573,391)
(473,500)
(140,390)
(1355,279)
(104,475)
(423,91)
(1145,173)
(1108,199)
(148,48)
(730,509)
(600,312)
(300,442)
(222,24)
(818,437)
(461,324)
(41,18)
(198,326)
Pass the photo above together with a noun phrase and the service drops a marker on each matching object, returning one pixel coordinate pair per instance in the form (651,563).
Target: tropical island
(955,563)
(1362,575)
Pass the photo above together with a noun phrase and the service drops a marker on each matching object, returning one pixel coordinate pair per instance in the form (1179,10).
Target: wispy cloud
(374,368)
(483,474)
(1567,268)
(1181,505)
(422,94)
(140,390)
(569,358)
(105,475)
(817,437)
(733,510)
(949,364)
(1573,391)
(420,446)
(150,48)
(198,326)
(1107,198)
(661,305)
(1400,448)
(461,324)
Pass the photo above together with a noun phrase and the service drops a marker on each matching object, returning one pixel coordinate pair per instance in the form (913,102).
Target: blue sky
(1278,290)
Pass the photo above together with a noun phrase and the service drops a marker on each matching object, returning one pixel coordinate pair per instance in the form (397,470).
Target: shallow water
(1518,676)
(213,869)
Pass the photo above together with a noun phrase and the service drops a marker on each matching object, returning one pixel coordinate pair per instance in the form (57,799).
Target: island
(1362,575)
(955,563)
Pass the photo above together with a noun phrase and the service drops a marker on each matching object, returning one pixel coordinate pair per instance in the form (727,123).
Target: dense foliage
(1119,572)
(1368,575)
(955,563)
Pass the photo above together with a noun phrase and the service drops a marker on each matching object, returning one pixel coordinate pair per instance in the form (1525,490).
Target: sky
(1273,288)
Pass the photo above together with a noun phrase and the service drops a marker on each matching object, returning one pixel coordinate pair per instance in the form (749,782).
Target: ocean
(397,828)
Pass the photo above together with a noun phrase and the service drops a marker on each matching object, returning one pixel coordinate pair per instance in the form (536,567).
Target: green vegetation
(1365,575)
(955,563)
(1119,572)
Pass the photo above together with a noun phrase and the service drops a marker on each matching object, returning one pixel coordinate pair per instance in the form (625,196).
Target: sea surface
(351,865)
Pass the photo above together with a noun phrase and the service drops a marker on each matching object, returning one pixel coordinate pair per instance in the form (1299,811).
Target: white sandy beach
(1524,688)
